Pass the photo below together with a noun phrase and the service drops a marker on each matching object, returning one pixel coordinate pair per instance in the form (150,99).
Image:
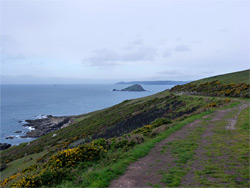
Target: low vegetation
(215,88)
(99,146)
(235,77)
(51,167)
(112,122)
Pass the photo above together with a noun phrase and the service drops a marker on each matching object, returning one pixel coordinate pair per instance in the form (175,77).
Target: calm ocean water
(21,102)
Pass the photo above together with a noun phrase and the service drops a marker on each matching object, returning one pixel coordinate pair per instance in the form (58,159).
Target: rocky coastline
(40,127)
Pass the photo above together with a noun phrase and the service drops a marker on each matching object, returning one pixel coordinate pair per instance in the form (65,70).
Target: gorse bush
(211,105)
(160,121)
(146,130)
(215,88)
(70,157)
(58,166)
(143,130)
(46,176)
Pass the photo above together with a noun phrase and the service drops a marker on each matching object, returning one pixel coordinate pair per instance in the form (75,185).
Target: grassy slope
(110,168)
(235,77)
(99,121)
(84,123)
(21,163)
(110,122)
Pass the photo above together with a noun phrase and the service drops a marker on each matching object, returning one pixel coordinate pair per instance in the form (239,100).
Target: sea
(22,102)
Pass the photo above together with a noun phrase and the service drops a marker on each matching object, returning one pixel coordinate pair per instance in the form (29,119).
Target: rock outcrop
(45,125)
(4,146)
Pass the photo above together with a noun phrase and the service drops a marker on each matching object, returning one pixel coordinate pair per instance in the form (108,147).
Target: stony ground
(212,151)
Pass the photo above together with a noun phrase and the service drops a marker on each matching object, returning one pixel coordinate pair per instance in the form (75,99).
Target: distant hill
(235,77)
(154,82)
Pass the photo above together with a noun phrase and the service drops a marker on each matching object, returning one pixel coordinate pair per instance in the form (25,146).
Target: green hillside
(235,77)
(108,140)
(111,122)
(228,85)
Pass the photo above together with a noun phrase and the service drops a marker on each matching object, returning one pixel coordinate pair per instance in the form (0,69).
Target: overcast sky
(114,40)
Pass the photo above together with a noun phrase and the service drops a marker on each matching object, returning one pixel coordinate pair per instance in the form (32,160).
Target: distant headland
(155,82)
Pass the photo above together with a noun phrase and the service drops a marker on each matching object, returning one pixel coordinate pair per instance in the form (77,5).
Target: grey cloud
(170,72)
(138,42)
(140,54)
(167,53)
(196,42)
(103,58)
(104,55)
(133,45)
(9,50)
(11,57)
(182,48)
(108,58)
(224,30)
(171,51)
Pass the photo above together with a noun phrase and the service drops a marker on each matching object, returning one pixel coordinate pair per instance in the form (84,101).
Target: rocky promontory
(46,125)
(135,87)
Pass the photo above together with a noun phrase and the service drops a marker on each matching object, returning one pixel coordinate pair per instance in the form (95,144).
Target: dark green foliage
(119,144)
(143,130)
(59,166)
(160,121)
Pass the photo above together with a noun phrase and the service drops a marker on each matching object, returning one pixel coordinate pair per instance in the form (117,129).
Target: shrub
(143,130)
(160,121)
(211,105)
(70,157)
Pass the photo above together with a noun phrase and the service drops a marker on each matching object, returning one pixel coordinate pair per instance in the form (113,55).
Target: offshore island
(135,87)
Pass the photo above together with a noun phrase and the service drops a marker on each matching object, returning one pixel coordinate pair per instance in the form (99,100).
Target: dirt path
(149,170)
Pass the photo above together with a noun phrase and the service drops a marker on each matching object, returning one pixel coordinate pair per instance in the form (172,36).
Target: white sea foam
(14,136)
(23,122)
(41,116)
(30,128)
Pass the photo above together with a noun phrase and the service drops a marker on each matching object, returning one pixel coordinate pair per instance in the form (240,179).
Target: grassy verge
(100,175)
(20,164)
(243,120)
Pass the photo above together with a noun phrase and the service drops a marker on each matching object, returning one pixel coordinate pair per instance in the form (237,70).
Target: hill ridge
(233,77)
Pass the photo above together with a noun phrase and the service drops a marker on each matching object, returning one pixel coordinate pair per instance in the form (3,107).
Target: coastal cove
(30,102)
